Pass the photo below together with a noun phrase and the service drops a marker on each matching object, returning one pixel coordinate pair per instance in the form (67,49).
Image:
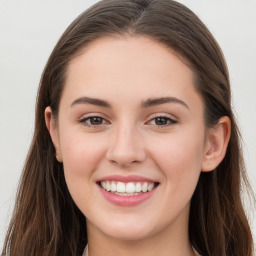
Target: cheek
(179,157)
(81,152)
(81,155)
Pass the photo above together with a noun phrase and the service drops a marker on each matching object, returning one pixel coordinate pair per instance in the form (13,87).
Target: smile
(127,189)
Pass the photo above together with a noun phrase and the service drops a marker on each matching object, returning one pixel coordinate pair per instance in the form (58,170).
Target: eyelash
(90,118)
(169,121)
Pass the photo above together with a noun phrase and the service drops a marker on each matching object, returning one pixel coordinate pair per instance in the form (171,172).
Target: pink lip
(131,178)
(127,200)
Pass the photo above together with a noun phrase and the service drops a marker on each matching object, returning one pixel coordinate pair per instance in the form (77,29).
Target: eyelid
(85,117)
(172,119)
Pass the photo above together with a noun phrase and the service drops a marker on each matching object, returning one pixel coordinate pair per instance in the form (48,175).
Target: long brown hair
(46,221)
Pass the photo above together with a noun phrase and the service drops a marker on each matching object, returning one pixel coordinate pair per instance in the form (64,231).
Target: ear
(216,144)
(53,130)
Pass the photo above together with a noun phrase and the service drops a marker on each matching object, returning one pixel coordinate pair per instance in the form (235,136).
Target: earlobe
(216,144)
(53,131)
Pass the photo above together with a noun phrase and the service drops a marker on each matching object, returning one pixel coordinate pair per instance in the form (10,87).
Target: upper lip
(129,178)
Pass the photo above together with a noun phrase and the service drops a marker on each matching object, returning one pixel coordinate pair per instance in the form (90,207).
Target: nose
(126,147)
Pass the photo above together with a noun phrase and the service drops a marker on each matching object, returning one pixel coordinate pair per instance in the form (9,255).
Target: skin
(127,72)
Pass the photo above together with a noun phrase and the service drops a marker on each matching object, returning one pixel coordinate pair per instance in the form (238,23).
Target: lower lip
(127,200)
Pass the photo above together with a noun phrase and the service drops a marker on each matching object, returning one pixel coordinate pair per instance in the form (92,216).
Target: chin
(130,234)
(125,229)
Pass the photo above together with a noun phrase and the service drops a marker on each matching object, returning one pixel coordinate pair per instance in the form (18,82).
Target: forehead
(137,48)
(129,67)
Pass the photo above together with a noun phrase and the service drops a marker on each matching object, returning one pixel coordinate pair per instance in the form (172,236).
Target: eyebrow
(148,103)
(163,100)
(92,101)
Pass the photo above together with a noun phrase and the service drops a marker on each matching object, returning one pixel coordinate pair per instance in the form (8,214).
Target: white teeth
(127,194)
(120,187)
(144,187)
(113,186)
(150,186)
(138,187)
(130,188)
(108,186)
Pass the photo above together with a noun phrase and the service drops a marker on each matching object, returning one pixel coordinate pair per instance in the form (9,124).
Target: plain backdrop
(28,32)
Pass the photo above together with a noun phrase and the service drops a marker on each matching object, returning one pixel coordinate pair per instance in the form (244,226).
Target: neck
(168,242)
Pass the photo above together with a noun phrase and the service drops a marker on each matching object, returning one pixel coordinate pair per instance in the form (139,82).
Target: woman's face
(131,121)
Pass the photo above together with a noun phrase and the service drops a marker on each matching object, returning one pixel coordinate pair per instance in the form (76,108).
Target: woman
(136,150)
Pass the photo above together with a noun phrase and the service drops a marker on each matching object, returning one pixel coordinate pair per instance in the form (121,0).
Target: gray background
(28,32)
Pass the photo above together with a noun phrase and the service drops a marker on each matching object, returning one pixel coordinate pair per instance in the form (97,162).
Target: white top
(86,253)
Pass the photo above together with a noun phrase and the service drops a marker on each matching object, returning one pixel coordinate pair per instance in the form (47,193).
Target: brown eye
(162,121)
(93,121)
